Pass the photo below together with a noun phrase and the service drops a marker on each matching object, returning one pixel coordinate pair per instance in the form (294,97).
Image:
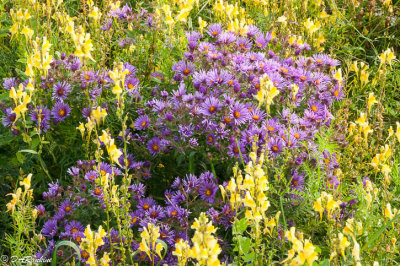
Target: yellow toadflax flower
(182,251)
(304,249)
(205,246)
(149,238)
(387,57)
(371,100)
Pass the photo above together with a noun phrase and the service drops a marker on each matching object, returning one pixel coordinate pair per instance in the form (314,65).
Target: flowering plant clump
(199,132)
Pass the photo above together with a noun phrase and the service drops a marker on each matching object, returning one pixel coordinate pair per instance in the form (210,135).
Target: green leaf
(240,226)
(371,241)
(65,243)
(244,244)
(28,151)
(35,142)
(324,263)
(20,157)
(249,257)
(165,248)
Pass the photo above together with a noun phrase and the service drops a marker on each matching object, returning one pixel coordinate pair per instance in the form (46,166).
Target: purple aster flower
(332,181)
(91,175)
(40,209)
(50,228)
(186,131)
(184,68)
(240,114)
(167,235)
(276,146)
(53,190)
(136,216)
(215,215)
(257,115)
(73,228)
(154,146)
(146,174)
(190,183)
(9,118)
(226,37)
(193,142)
(60,111)
(145,204)
(97,192)
(60,215)
(214,29)
(253,31)
(67,206)
(323,59)
(338,92)
(61,90)
(137,190)
(41,113)
(10,83)
(244,44)
(176,183)
(142,122)
(235,150)
(206,46)
(297,182)
(89,76)
(130,163)
(131,83)
(73,171)
(174,211)
(155,212)
(207,191)
(177,198)
(210,106)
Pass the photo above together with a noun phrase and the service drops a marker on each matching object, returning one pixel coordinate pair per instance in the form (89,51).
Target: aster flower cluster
(215,106)
(68,88)
(188,197)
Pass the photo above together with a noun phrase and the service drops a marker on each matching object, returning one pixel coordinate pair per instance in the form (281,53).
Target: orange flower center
(97,191)
(61,112)
(227,119)
(212,109)
(314,108)
(84,254)
(336,93)
(236,114)
(156,147)
(275,148)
